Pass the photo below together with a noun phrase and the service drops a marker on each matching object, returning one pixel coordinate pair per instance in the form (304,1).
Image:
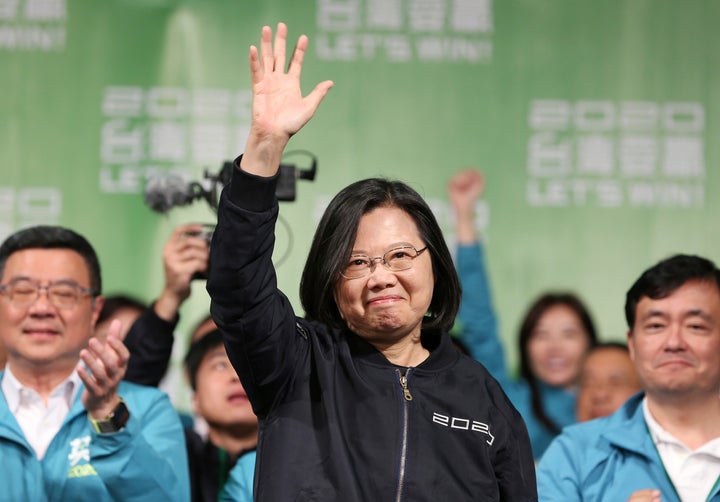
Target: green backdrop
(592,121)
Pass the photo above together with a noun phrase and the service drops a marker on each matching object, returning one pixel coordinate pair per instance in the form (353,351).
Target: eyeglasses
(396,259)
(63,295)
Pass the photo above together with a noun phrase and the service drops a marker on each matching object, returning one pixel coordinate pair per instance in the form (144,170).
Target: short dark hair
(527,328)
(197,351)
(610,345)
(335,237)
(115,303)
(666,276)
(53,237)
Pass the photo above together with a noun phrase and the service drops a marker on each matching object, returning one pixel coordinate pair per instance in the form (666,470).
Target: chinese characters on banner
(26,206)
(607,154)
(165,130)
(32,25)
(400,31)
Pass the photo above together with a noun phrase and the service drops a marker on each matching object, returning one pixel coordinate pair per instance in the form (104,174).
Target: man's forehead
(605,360)
(692,298)
(216,352)
(46,264)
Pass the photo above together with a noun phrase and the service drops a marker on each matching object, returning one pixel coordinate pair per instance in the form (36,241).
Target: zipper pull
(403,383)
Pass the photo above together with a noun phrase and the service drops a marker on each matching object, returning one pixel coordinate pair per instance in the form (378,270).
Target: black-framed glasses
(62,294)
(396,259)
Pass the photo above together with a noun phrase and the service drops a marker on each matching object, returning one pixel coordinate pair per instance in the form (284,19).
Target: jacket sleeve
(515,467)
(477,316)
(150,342)
(557,472)
(239,486)
(256,320)
(147,459)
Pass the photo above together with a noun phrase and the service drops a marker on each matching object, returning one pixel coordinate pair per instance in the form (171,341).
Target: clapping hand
(105,363)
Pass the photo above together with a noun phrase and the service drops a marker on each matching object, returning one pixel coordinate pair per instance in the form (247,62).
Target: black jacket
(150,342)
(335,422)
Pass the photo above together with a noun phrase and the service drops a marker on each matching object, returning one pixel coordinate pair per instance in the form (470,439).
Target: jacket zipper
(407,397)
(404,385)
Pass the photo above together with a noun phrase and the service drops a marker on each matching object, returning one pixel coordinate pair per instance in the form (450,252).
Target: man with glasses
(69,428)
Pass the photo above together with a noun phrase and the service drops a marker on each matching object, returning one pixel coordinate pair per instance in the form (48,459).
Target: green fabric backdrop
(593,122)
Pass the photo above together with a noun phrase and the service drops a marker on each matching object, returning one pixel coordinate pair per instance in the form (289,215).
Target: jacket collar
(628,430)
(442,351)
(8,424)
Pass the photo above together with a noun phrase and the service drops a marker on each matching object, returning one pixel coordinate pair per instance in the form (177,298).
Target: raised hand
(105,366)
(184,254)
(464,189)
(278,110)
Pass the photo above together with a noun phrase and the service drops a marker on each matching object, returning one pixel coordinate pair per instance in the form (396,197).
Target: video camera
(164,192)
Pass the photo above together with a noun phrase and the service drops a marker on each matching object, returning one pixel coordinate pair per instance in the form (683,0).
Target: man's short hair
(53,237)
(662,279)
(608,345)
(197,352)
(115,303)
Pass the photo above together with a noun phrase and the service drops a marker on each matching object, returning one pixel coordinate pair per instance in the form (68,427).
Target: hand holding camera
(185,257)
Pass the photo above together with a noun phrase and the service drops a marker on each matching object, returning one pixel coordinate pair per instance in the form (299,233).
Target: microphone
(163,192)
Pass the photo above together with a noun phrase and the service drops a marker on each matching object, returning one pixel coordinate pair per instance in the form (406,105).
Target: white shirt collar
(14,390)
(693,473)
(660,435)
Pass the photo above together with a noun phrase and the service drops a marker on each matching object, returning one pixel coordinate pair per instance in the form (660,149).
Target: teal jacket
(146,461)
(239,486)
(606,460)
(479,332)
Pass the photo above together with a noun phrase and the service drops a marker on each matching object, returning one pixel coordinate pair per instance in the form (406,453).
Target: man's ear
(97,304)
(630,344)
(195,406)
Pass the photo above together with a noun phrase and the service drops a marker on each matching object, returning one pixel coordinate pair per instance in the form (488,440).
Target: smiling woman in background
(555,335)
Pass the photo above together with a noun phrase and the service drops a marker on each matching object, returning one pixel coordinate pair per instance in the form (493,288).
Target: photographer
(150,338)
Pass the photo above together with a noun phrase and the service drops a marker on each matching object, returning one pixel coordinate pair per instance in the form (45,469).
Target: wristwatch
(114,422)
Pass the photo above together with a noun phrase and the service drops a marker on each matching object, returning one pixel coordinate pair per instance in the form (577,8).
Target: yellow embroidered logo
(80,471)
(80,451)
